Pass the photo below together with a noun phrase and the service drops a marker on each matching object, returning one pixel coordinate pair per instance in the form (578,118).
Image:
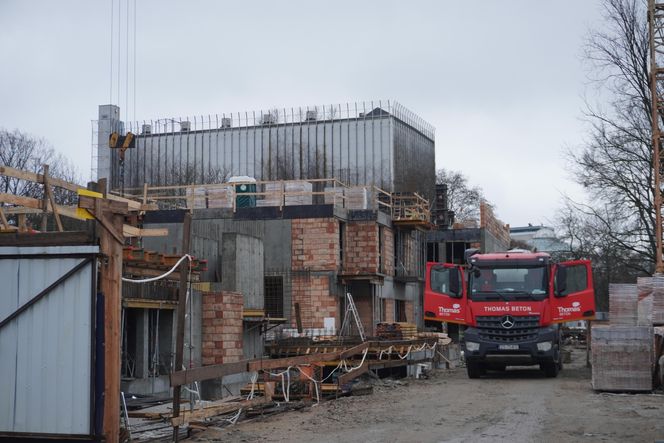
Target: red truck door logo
(573,292)
(445,293)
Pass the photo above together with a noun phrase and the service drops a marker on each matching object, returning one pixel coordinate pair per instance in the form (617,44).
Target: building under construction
(330,201)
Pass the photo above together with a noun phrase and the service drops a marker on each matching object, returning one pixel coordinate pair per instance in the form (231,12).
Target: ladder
(351,310)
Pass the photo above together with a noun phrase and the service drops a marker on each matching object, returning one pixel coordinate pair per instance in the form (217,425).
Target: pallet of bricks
(397,331)
(622,352)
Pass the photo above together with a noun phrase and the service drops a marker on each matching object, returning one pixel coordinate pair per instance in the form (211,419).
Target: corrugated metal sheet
(46,352)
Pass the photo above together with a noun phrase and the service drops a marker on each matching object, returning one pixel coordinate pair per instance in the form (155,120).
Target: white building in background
(541,238)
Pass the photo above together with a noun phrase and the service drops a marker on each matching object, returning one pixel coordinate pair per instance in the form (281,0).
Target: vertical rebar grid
(656,42)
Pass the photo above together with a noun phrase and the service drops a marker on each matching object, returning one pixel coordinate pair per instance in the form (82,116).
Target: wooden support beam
(44,208)
(185,377)
(114,206)
(22,224)
(37,178)
(133,204)
(182,307)
(33,206)
(49,193)
(274,363)
(28,202)
(348,376)
(355,350)
(211,411)
(111,287)
(132,231)
(3,219)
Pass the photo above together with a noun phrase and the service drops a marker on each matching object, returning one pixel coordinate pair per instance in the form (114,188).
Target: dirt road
(519,405)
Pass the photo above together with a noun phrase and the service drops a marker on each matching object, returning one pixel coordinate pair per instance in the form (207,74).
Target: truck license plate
(508,347)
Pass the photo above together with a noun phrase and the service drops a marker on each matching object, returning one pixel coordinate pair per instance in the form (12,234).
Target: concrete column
(109,121)
(142,344)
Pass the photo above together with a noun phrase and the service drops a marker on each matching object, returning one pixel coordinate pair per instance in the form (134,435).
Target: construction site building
(285,257)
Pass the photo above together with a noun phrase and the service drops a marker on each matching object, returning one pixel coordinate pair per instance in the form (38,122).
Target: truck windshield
(508,283)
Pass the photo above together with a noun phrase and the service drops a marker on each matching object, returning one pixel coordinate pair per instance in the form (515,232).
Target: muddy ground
(517,405)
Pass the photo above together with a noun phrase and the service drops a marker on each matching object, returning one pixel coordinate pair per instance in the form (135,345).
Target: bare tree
(614,166)
(193,173)
(27,153)
(462,198)
(590,235)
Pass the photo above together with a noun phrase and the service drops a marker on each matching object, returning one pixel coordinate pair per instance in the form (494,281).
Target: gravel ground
(519,405)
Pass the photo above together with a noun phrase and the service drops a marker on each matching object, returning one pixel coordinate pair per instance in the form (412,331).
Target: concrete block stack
(334,196)
(622,358)
(623,300)
(220,197)
(302,193)
(196,197)
(651,300)
(272,196)
(658,300)
(356,197)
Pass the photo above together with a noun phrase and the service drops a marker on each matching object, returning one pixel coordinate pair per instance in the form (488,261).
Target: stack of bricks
(651,300)
(622,358)
(220,197)
(222,327)
(622,352)
(298,193)
(623,304)
(361,248)
(356,198)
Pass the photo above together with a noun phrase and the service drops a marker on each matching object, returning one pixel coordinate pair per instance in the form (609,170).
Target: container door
(573,292)
(445,293)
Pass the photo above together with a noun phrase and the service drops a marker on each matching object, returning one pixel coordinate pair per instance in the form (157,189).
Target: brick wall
(316,303)
(315,244)
(388,251)
(410,312)
(315,248)
(365,310)
(361,250)
(222,327)
(495,227)
(388,314)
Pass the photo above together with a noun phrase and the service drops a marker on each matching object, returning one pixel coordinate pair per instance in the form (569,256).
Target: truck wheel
(550,369)
(475,370)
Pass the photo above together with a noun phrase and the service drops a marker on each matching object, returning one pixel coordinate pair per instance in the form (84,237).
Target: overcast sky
(502,81)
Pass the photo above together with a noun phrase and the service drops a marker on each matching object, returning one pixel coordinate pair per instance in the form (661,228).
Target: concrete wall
(242,268)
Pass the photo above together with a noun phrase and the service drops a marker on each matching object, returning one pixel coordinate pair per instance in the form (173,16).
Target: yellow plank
(132,231)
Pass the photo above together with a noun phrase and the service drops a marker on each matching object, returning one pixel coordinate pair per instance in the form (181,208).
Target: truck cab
(512,304)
